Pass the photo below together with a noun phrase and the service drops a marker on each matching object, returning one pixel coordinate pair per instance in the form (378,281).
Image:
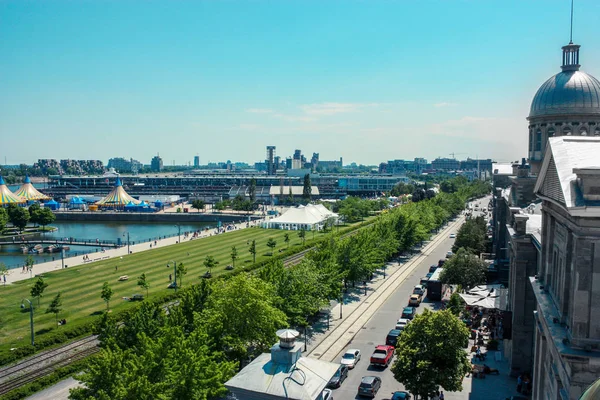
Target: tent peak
(27,180)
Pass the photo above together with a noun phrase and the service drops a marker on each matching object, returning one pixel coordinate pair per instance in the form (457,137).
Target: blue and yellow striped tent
(117,198)
(28,192)
(8,197)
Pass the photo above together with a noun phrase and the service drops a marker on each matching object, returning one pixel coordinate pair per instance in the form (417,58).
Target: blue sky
(364,80)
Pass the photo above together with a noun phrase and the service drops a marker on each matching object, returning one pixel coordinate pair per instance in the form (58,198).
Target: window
(530,140)
(538,140)
(551,132)
(583,131)
(597,131)
(567,130)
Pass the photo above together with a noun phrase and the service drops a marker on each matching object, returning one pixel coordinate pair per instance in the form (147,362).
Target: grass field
(80,286)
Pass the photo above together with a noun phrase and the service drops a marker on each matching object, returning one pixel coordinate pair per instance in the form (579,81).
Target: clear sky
(364,80)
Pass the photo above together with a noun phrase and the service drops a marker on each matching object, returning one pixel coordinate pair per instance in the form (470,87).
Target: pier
(67,242)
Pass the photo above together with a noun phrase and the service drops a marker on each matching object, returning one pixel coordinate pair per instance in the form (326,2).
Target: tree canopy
(464,269)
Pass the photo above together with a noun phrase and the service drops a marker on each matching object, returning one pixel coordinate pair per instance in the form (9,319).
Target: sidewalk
(16,274)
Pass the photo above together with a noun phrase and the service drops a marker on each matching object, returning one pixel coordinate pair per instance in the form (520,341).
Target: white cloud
(445,104)
(260,111)
(325,109)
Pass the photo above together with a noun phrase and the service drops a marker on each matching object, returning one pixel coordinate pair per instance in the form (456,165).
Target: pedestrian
(442,395)
(519,383)
(116,268)
(170,277)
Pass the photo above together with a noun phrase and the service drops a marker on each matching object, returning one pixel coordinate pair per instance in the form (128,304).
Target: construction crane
(453,154)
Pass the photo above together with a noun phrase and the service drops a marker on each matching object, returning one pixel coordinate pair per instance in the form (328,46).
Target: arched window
(530,140)
(597,131)
(583,131)
(551,132)
(567,131)
(538,140)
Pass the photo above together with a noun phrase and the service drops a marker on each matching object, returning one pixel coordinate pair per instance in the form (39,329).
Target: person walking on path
(170,277)
(442,395)
(116,268)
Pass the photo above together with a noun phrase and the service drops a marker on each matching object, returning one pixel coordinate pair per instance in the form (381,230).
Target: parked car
(423,281)
(449,254)
(338,378)
(418,289)
(382,356)
(326,394)
(401,324)
(429,275)
(409,312)
(401,396)
(433,268)
(415,300)
(369,386)
(441,262)
(392,337)
(453,236)
(350,358)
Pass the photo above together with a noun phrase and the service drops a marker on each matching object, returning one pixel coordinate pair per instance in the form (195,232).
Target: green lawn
(80,286)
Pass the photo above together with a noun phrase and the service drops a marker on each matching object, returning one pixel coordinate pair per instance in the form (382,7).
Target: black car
(408,312)
(369,386)
(433,268)
(338,378)
(392,337)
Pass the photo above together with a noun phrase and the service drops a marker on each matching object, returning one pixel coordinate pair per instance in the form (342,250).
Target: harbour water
(13,257)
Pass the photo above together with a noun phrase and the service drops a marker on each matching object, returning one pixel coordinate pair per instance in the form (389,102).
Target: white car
(326,394)
(453,236)
(350,358)
(401,324)
(449,254)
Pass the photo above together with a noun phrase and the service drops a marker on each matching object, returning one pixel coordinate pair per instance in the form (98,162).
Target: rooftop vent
(287,338)
(589,182)
(287,351)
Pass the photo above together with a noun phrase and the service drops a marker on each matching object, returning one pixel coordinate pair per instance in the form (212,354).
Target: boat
(25,249)
(38,248)
(51,249)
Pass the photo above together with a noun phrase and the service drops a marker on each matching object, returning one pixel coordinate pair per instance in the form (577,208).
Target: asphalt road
(377,328)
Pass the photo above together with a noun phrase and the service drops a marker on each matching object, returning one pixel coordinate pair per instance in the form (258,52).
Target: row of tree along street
(190,350)
(19,217)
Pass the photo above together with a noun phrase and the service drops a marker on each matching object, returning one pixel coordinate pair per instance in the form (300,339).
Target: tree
(307,189)
(19,217)
(3,272)
(234,255)
(252,250)
(106,295)
(286,239)
(55,307)
(302,235)
(210,263)
(143,283)
(456,304)
(3,219)
(271,243)
(45,217)
(290,198)
(471,236)
(252,190)
(33,213)
(29,261)
(430,353)
(464,269)
(180,272)
(38,288)
(198,204)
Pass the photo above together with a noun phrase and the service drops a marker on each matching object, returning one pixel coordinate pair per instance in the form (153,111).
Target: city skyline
(386,81)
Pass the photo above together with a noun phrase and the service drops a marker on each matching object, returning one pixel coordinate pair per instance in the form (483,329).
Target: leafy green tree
(234,255)
(252,190)
(464,269)
(271,243)
(55,307)
(44,217)
(252,250)
(37,290)
(210,263)
(3,219)
(219,206)
(430,353)
(302,235)
(290,199)
(143,283)
(29,262)
(3,271)
(106,294)
(198,204)
(33,213)
(19,217)
(307,188)
(180,272)
(456,305)
(471,236)
(286,239)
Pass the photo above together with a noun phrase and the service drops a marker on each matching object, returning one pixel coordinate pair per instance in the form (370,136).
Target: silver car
(350,358)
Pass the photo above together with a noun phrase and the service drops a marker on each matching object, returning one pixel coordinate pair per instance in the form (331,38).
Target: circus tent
(117,198)
(28,192)
(8,197)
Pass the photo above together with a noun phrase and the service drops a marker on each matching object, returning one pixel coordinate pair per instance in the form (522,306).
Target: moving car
(392,337)
(382,356)
(408,312)
(402,395)
(415,300)
(369,386)
(338,378)
(350,358)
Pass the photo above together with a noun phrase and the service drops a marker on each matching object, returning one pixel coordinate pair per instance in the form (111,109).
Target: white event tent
(309,217)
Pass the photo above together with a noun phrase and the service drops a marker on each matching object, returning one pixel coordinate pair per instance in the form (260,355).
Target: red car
(382,356)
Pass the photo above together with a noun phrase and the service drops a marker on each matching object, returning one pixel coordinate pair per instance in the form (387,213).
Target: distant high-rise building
(196,161)
(270,161)
(297,162)
(156,164)
(124,165)
(315,161)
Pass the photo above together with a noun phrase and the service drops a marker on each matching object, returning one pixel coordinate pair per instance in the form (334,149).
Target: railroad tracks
(40,365)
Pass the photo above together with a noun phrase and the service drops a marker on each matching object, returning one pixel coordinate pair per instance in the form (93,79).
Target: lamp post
(341,301)
(174,272)
(179,232)
(30,319)
(127,233)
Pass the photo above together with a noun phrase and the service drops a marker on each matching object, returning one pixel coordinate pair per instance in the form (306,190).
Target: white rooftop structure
(307,217)
(502,168)
(283,374)
(296,190)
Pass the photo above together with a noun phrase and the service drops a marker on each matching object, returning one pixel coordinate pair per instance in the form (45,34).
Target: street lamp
(179,232)
(174,272)
(127,233)
(341,302)
(30,319)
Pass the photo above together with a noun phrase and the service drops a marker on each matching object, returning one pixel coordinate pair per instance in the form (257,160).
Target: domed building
(566,104)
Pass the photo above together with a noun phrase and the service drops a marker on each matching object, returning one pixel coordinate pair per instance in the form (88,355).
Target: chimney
(287,351)
(523,169)
(588,180)
(520,225)
(515,168)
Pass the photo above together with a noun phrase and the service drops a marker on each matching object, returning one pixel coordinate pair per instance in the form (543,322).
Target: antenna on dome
(571,38)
